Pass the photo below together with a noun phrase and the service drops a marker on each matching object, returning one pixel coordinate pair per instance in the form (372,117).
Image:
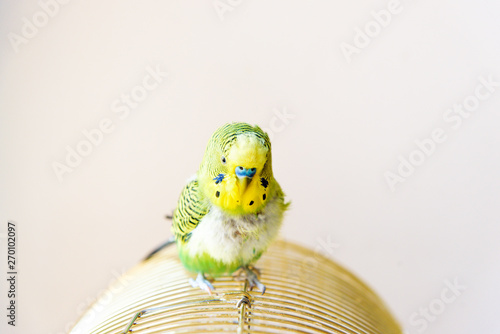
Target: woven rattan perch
(306,293)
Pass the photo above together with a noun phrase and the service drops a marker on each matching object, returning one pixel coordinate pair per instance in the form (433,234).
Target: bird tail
(167,243)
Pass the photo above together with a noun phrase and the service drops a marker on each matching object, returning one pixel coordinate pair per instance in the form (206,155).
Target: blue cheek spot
(218,179)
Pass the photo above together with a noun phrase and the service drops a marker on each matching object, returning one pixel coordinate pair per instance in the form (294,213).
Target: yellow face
(242,189)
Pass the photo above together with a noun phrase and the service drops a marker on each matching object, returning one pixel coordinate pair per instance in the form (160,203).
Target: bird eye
(223,159)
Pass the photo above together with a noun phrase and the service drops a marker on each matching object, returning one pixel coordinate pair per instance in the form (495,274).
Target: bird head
(236,171)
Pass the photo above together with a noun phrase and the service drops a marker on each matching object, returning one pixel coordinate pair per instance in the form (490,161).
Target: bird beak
(244,176)
(243,183)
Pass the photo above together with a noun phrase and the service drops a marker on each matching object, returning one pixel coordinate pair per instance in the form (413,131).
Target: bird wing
(189,212)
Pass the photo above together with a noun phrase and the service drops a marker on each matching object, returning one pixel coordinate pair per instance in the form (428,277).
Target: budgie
(231,210)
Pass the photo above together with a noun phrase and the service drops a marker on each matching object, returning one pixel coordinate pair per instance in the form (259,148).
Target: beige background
(348,123)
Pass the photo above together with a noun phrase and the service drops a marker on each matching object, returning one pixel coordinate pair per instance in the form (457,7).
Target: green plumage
(191,208)
(224,221)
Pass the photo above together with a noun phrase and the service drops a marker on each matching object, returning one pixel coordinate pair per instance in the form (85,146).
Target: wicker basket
(306,293)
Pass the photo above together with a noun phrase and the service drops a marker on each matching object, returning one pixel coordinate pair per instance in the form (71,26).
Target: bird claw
(253,280)
(202,283)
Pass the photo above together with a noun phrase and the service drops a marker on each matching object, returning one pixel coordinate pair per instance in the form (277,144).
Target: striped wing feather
(189,212)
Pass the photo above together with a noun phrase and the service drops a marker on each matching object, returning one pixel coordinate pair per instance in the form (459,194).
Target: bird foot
(253,280)
(202,283)
(241,273)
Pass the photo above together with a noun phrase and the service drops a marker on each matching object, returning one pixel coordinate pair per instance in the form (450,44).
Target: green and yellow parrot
(231,209)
